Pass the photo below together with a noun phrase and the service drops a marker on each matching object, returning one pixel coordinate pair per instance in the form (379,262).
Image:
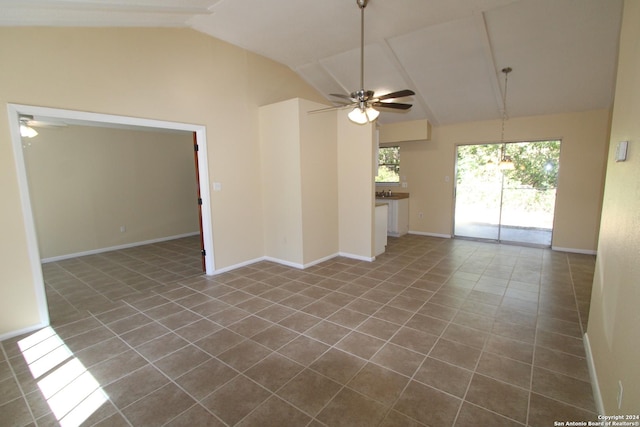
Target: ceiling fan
(28,123)
(363,101)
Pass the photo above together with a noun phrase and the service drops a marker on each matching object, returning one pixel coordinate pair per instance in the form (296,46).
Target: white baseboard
(277,261)
(284,262)
(298,265)
(115,248)
(239,265)
(26,330)
(357,257)
(574,250)
(423,233)
(320,260)
(595,385)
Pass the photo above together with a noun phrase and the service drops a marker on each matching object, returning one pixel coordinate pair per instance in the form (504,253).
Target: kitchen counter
(394,196)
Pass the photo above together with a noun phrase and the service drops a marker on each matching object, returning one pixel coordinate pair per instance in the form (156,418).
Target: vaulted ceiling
(450,52)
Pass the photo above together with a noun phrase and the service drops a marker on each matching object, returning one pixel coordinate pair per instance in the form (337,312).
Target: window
(388,165)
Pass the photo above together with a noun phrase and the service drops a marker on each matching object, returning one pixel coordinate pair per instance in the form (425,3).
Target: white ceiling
(450,52)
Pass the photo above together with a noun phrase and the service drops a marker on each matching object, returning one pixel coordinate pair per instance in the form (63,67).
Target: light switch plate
(621,151)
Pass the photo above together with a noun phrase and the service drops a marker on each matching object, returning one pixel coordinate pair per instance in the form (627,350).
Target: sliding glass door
(506,192)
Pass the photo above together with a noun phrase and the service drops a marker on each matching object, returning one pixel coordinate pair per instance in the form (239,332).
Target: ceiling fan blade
(339,95)
(393,105)
(337,107)
(361,98)
(398,94)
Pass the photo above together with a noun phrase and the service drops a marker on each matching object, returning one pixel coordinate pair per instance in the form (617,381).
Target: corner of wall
(593,376)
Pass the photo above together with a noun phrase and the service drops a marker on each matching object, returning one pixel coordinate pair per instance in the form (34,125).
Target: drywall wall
(319,166)
(356,151)
(429,168)
(614,318)
(176,75)
(281,183)
(85,183)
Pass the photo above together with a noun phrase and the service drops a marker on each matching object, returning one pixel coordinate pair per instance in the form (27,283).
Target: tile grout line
(170,381)
(339,271)
(14,377)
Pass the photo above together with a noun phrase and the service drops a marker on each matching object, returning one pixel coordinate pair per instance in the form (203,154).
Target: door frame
(99,120)
(455,194)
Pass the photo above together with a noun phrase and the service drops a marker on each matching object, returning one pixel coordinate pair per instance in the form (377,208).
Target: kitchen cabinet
(398,214)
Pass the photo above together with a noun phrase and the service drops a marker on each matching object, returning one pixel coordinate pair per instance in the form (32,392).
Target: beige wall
(429,169)
(317,184)
(175,75)
(614,320)
(87,182)
(319,165)
(356,151)
(281,185)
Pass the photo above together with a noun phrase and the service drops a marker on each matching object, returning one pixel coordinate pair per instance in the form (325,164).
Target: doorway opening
(506,192)
(15,111)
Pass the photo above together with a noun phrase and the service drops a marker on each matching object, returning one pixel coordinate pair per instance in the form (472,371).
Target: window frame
(378,164)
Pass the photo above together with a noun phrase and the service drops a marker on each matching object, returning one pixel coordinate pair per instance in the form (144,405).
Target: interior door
(195,156)
(506,192)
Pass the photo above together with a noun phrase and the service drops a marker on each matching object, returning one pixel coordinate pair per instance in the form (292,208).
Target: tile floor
(435,332)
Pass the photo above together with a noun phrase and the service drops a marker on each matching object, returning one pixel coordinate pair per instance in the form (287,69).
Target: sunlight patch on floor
(73,394)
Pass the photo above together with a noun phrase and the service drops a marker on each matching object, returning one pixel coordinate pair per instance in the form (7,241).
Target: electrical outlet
(620,390)
(420,215)
(123,228)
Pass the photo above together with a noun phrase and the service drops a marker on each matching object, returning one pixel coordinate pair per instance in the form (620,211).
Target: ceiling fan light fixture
(363,101)
(372,113)
(506,164)
(27,131)
(362,115)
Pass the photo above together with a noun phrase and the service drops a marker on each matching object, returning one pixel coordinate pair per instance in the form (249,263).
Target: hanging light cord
(506,72)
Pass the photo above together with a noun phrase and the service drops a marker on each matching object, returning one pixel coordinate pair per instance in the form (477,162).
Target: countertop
(394,196)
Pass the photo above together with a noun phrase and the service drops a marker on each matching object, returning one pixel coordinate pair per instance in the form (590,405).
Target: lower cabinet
(397,216)
(382,210)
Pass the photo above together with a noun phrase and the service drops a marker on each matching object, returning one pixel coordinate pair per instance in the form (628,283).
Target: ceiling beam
(492,67)
(107,6)
(391,55)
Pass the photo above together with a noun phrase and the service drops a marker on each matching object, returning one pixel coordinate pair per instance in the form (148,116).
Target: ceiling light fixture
(362,102)
(27,131)
(363,113)
(505,161)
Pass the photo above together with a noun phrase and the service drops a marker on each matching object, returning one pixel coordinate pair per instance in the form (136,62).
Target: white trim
(595,385)
(574,250)
(284,262)
(277,261)
(320,260)
(15,110)
(290,264)
(118,247)
(239,265)
(298,265)
(357,257)
(423,233)
(27,330)
(27,213)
